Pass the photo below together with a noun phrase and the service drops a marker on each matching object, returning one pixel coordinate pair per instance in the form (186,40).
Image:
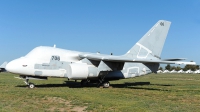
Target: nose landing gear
(30,85)
(26,80)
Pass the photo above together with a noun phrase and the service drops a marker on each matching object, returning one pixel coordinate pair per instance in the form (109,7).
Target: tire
(106,84)
(31,86)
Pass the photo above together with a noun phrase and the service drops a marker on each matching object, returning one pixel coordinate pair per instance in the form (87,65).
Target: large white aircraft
(143,58)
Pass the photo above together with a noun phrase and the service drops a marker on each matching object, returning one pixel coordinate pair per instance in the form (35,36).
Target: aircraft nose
(19,66)
(16,66)
(11,66)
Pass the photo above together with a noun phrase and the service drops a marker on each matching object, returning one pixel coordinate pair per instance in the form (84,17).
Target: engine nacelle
(77,71)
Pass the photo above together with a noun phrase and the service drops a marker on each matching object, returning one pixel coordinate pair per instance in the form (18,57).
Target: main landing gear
(105,84)
(103,81)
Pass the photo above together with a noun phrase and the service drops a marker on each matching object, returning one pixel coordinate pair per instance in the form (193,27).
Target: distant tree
(168,67)
(178,68)
(172,68)
(190,67)
(197,67)
(193,67)
(187,67)
(160,68)
(184,69)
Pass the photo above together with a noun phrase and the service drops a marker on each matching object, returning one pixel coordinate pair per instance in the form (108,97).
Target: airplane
(173,71)
(166,71)
(196,72)
(159,71)
(2,67)
(180,71)
(143,58)
(188,71)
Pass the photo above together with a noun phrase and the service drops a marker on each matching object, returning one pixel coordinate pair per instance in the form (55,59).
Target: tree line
(177,68)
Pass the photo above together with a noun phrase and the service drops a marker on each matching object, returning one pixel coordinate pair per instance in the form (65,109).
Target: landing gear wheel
(106,84)
(31,85)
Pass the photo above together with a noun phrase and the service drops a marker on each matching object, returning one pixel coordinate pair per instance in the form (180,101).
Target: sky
(105,26)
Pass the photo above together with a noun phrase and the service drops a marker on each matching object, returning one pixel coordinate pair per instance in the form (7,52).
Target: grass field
(153,93)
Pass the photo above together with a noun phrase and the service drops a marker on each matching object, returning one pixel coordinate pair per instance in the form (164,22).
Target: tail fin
(3,65)
(151,44)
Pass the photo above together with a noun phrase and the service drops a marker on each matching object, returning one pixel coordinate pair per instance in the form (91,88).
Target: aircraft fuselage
(53,62)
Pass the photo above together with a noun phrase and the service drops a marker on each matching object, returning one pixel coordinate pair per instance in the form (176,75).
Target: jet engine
(80,71)
(77,71)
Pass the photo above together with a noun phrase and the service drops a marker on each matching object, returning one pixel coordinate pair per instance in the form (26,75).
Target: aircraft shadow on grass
(140,85)
(130,85)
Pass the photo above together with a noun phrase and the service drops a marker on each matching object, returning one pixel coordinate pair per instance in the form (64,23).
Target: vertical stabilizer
(3,65)
(151,44)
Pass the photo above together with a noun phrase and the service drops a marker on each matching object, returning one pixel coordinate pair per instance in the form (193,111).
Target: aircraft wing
(111,58)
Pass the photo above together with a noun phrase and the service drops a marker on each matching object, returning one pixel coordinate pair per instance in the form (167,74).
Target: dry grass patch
(66,105)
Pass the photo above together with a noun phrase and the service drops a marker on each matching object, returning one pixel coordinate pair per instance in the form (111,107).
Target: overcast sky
(97,25)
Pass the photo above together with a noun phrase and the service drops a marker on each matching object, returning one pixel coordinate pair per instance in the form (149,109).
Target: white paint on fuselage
(45,53)
(42,55)
(39,55)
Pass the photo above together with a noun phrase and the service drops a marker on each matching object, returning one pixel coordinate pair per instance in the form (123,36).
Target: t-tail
(151,44)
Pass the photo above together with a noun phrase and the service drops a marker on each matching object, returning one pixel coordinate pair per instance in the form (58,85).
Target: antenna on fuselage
(54,45)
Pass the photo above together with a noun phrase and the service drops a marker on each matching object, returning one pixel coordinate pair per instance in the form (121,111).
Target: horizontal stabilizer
(186,63)
(174,59)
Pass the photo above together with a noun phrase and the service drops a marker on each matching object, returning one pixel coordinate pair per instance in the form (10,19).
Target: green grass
(153,93)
